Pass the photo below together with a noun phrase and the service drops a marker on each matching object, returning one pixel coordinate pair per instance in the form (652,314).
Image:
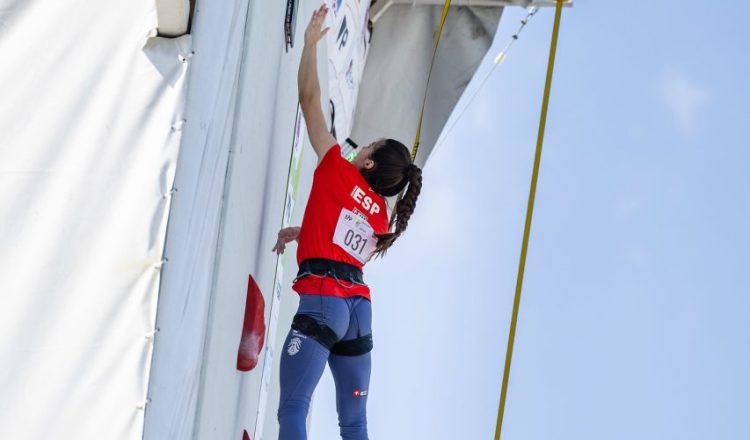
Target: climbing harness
(323,267)
(309,326)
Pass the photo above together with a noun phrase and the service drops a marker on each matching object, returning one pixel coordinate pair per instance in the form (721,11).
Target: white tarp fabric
(184,298)
(397,66)
(90,116)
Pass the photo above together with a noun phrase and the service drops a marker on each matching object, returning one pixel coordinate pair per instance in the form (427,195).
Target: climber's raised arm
(309,87)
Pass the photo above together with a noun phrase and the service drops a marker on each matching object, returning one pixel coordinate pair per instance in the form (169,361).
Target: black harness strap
(309,326)
(353,347)
(330,268)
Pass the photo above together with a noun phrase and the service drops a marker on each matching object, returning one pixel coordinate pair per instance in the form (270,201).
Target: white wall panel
(232,188)
(90,115)
(194,223)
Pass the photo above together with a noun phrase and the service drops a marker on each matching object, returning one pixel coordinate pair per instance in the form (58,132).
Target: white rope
(499,59)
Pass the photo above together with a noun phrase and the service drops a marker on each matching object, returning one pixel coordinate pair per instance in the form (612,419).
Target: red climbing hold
(254,328)
(245,436)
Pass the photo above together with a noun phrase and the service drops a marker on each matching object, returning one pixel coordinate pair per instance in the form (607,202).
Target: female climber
(345,224)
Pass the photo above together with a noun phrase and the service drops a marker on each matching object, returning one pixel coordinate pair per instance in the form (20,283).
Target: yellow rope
(527,227)
(424,99)
(429,74)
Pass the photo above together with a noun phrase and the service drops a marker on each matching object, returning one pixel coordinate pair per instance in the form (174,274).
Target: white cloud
(684,98)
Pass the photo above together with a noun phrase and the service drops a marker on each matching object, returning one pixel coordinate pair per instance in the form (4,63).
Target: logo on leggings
(359,393)
(294,346)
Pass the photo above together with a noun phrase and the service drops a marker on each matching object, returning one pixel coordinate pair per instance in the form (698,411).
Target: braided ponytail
(403,210)
(393,170)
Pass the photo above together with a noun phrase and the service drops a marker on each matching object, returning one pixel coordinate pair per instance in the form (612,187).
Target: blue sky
(634,319)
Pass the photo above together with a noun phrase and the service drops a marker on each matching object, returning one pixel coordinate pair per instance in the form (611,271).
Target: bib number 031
(355,236)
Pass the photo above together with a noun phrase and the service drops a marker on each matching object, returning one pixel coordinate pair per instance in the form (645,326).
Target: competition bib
(355,236)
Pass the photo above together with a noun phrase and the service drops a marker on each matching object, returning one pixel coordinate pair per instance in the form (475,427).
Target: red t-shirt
(337,185)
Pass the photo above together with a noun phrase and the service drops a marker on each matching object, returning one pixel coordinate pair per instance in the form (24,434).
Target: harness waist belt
(335,269)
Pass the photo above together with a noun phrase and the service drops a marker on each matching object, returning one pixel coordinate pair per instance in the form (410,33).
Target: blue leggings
(303,360)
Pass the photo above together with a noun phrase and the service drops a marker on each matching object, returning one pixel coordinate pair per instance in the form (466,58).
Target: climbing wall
(245,174)
(145,180)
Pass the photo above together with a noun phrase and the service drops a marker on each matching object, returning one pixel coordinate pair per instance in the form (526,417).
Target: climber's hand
(313,34)
(285,236)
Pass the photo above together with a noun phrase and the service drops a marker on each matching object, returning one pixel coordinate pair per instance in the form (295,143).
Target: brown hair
(392,172)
